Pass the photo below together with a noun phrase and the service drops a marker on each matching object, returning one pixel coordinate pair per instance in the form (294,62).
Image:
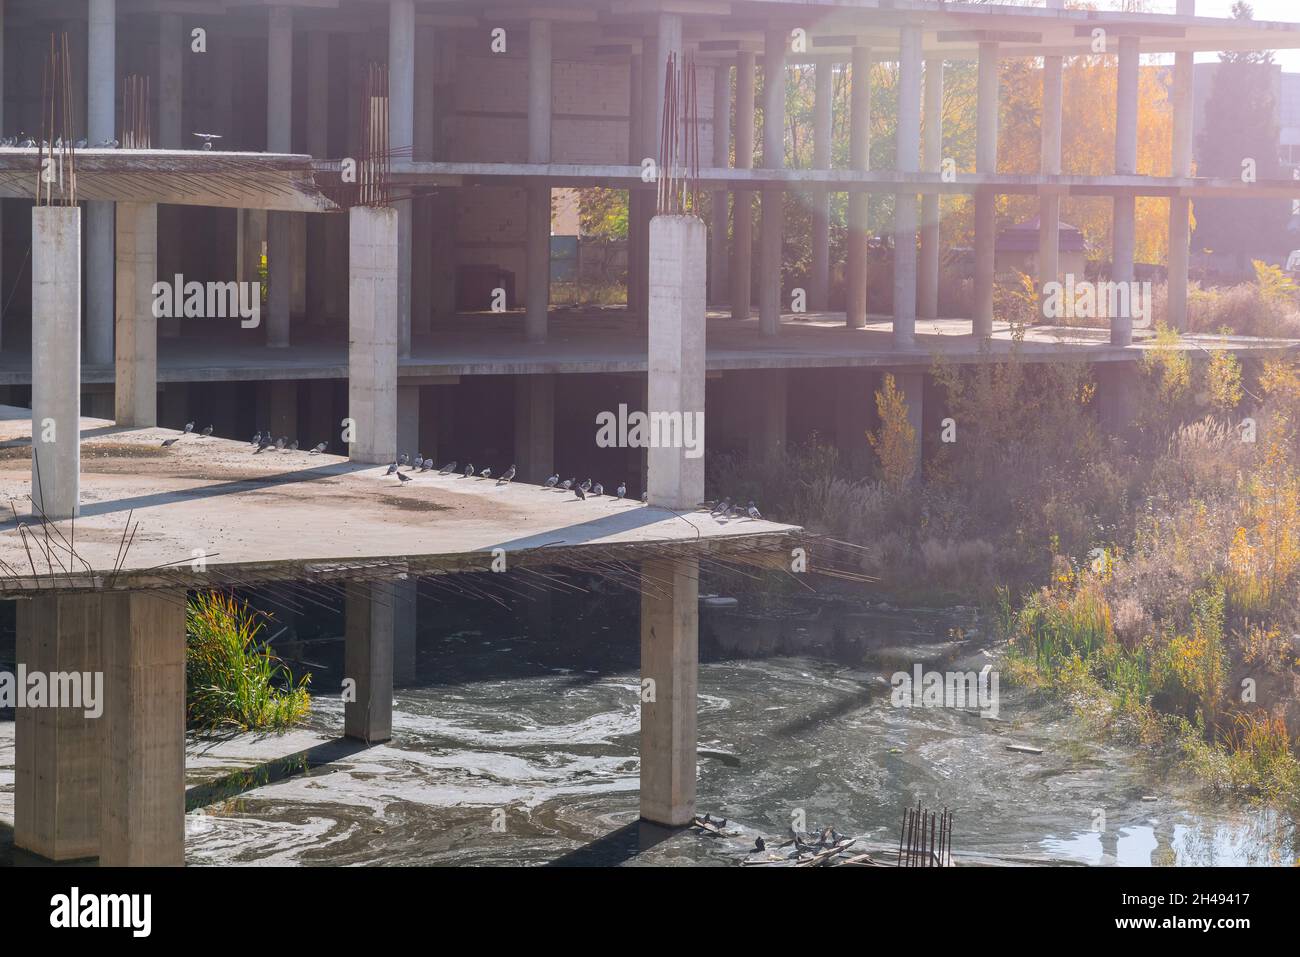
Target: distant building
(1017,249)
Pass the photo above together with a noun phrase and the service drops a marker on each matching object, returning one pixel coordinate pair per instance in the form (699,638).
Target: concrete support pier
(743,204)
(773,223)
(907,153)
(56,361)
(57,750)
(535,427)
(136,359)
(927,303)
(855,313)
(1124,227)
(986,161)
(669,674)
(142,775)
(372,334)
(368,660)
(1180,207)
(676,356)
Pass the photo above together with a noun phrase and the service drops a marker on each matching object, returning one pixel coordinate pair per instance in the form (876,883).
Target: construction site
(384,174)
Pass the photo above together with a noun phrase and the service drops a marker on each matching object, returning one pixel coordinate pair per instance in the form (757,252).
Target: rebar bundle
(926,838)
(678,175)
(137,119)
(56,170)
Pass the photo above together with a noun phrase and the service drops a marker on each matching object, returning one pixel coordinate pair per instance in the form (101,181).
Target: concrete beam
(669,674)
(57,750)
(56,361)
(676,355)
(372,334)
(136,359)
(142,775)
(368,660)
(855,314)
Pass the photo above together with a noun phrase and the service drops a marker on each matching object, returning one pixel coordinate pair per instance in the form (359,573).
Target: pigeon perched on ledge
(621,490)
(448,468)
(507,476)
(553,480)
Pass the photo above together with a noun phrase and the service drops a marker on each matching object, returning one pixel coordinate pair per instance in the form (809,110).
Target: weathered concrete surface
(293,515)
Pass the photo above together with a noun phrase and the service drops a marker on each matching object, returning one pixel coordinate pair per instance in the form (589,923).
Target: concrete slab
(211,512)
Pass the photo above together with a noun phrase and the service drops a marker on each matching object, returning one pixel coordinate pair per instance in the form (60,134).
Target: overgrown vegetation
(233,680)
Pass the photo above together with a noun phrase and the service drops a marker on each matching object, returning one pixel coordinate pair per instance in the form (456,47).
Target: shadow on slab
(278,769)
(618,847)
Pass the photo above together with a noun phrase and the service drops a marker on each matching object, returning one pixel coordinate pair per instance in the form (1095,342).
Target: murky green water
(511,749)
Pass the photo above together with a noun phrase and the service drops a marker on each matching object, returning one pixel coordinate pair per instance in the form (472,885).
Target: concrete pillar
(56,361)
(408,420)
(539,91)
(928,294)
(773,222)
(534,427)
(1117,394)
(908,149)
(912,386)
(1049,204)
(718,272)
(372,333)
(743,202)
(423,220)
(101,124)
(172,44)
(282,402)
(676,357)
(57,750)
(279,139)
(819,281)
(318,272)
(136,360)
(538,252)
(142,774)
(1180,207)
(855,313)
(368,659)
(670,660)
(1124,227)
(986,161)
(401,136)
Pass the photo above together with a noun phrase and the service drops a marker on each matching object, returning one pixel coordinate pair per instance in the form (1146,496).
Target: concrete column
(635,207)
(279,139)
(372,334)
(986,161)
(368,659)
(534,427)
(1180,207)
(774,157)
(172,44)
(101,124)
(56,361)
(928,293)
(401,136)
(279,274)
(318,273)
(282,403)
(57,750)
(1049,204)
(907,160)
(1124,227)
(743,202)
(855,315)
(408,420)
(670,660)
(718,278)
(423,221)
(142,774)
(819,281)
(676,357)
(538,252)
(136,361)
(912,386)
(539,91)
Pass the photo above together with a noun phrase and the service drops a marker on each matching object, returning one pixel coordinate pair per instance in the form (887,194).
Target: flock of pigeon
(266,440)
(24,142)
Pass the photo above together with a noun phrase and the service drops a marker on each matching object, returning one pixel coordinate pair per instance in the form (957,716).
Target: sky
(1283,10)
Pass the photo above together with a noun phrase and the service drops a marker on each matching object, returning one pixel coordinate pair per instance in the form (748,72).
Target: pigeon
(486,473)
(580,493)
(721,508)
(448,468)
(189,427)
(292,446)
(469,470)
(753,511)
(567,484)
(426,464)
(760,844)
(553,480)
(81,144)
(598,489)
(172,441)
(621,490)
(405,459)
(256,440)
(318,449)
(391,469)
(507,476)
(645,496)
(28,143)
(403,477)
(207,431)
(262,444)
(279,443)
(108,144)
(586,485)
(207,139)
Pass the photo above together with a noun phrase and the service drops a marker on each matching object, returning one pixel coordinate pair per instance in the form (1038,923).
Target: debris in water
(1024,749)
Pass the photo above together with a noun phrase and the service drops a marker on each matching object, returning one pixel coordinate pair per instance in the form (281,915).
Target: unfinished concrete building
(371,316)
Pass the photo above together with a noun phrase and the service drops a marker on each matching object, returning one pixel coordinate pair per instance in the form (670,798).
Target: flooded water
(512,748)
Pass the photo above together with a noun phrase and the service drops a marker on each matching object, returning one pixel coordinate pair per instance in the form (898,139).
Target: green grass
(233,681)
